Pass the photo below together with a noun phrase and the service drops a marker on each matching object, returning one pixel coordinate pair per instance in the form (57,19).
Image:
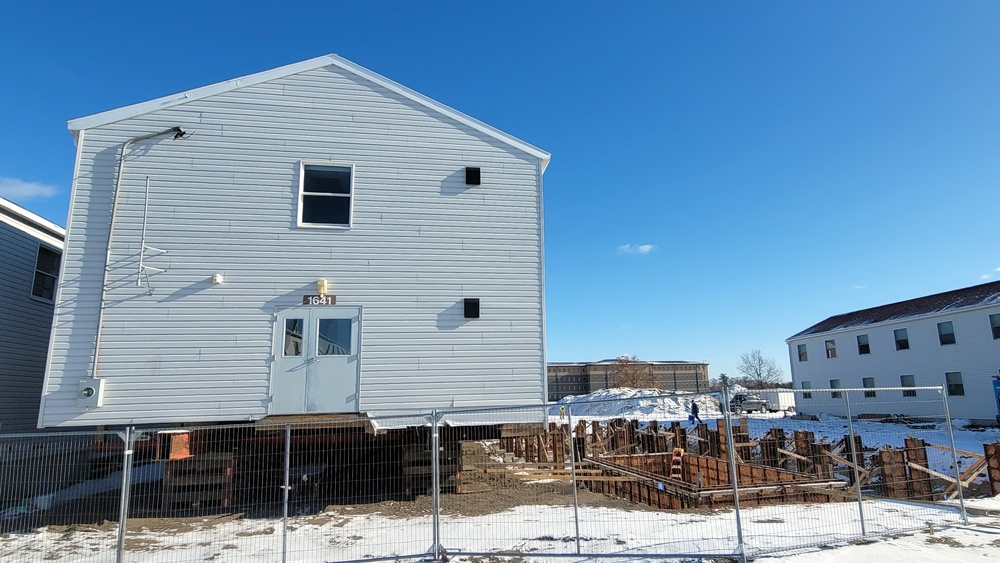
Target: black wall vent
(471,308)
(472,176)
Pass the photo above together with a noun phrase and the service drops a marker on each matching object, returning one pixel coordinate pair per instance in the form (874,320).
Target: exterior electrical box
(91,393)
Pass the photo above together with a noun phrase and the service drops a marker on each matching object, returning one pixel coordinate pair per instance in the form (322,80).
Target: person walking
(694,413)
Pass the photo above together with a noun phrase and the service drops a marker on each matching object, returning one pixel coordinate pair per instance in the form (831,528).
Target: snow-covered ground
(832,529)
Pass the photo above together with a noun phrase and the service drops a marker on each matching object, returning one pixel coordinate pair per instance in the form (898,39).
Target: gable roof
(975,296)
(31,224)
(111,116)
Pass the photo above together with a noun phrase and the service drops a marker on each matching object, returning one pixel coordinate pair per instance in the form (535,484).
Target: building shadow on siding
(453,317)
(454,184)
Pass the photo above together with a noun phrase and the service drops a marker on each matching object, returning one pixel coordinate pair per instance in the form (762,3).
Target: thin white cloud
(12,188)
(985,277)
(859,287)
(997,269)
(636,248)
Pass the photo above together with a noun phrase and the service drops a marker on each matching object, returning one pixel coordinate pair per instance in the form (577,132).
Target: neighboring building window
(946,333)
(807,385)
(804,356)
(325,195)
(902,340)
(831,349)
(863,347)
(995,325)
(907,381)
(868,383)
(835,384)
(46,274)
(954,381)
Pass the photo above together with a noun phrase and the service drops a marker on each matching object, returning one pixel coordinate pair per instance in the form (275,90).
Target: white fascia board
(31,224)
(112,116)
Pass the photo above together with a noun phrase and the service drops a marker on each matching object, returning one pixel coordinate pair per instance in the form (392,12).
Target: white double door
(316,360)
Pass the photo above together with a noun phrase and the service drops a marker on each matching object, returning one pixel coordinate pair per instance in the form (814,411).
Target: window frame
(913,383)
(303,164)
(868,383)
(806,385)
(54,277)
(942,335)
(905,340)
(995,325)
(835,384)
(831,349)
(803,352)
(959,388)
(867,345)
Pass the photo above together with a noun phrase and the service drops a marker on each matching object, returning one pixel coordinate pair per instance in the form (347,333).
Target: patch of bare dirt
(950,542)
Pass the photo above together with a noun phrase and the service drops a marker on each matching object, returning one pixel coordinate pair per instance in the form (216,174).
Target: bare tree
(628,371)
(758,371)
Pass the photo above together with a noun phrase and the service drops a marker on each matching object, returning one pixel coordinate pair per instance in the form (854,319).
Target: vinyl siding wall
(25,338)
(975,354)
(225,201)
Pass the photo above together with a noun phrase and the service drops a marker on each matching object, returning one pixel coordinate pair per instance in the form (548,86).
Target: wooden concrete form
(705,482)
(197,483)
(992,457)
(920,482)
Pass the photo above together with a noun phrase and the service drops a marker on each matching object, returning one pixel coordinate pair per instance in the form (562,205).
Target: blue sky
(723,174)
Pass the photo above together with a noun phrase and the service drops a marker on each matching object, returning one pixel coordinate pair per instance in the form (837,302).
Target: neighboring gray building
(29,272)
(580,378)
(311,239)
(950,339)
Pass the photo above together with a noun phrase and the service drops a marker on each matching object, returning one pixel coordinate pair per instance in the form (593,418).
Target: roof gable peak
(126,112)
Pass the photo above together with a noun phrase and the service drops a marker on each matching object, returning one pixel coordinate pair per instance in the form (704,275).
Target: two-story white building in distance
(950,339)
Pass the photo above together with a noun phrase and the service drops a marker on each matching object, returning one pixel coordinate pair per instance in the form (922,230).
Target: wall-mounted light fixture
(322,286)
(218,278)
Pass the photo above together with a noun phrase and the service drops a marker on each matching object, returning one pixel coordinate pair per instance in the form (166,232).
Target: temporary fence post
(733,475)
(572,459)
(856,459)
(128,437)
(954,455)
(284,495)
(436,484)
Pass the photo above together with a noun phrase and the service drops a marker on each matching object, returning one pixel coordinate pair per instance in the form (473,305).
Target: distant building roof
(614,360)
(975,296)
(31,224)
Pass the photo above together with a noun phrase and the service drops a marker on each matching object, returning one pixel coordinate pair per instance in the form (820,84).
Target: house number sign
(319,299)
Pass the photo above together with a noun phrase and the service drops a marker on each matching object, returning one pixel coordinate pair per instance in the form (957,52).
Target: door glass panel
(293,337)
(334,337)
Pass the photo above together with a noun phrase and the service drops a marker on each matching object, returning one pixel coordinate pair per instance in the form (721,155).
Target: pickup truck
(745,402)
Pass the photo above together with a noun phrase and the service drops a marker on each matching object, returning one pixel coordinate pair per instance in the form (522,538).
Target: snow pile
(638,404)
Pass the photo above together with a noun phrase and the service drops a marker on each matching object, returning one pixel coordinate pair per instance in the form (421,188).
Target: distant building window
(954,381)
(325,195)
(46,274)
(863,347)
(806,385)
(907,381)
(835,384)
(804,356)
(946,333)
(868,383)
(995,325)
(902,340)
(831,349)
